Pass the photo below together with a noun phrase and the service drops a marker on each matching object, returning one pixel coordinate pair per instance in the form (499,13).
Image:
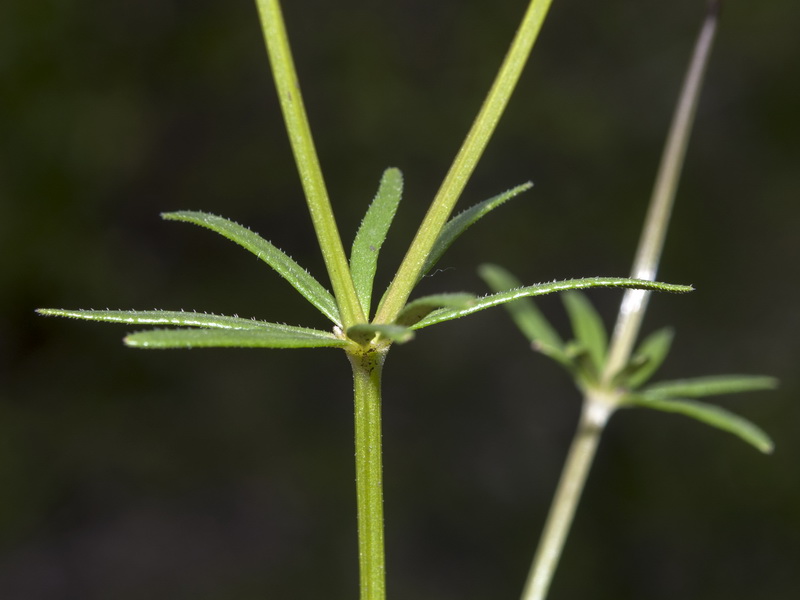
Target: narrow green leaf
(530,320)
(364,333)
(453,229)
(420,308)
(711,415)
(711,386)
(286,267)
(484,302)
(278,336)
(158,317)
(533,324)
(580,365)
(587,326)
(372,233)
(646,360)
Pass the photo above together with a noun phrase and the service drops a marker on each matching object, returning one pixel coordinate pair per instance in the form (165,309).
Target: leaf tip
(131,342)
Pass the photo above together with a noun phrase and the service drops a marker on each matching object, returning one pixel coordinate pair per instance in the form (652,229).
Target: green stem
(596,411)
(464,163)
(651,243)
(367,370)
(305,155)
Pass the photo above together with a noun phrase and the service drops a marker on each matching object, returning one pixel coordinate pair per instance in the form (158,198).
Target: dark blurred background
(227,474)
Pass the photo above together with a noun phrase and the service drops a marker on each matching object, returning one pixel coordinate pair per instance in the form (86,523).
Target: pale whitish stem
(598,406)
(651,243)
(596,410)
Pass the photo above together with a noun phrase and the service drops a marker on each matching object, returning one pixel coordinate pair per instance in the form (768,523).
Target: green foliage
(540,289)
(711,415)
(366,333)
(225,331)
(647,358)
(463,221)
(287,268)
(157,317)
(366,336)
(590,333)
(527,316)
(271,337)
(710,386)
(420,308)
(372,233)
(585,359)
(208,331)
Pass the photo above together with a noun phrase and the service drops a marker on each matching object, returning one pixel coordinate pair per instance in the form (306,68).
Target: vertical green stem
(367,370)
(464,164)
(570,487)
(651,243)
(305,155)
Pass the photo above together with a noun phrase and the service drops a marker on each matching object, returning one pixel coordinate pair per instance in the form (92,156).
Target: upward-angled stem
(465,162)
(305,155)
(651,243)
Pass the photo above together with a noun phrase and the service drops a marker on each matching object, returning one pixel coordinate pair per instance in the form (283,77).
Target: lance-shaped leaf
(711,415)
(580,365)
(646,360)
(372,233)
(299,278)
(364,333)
(420,308)
(272,336)
(540,289)
(710,386)
(526,315)
(158,317)
(463,221)
(588,327)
